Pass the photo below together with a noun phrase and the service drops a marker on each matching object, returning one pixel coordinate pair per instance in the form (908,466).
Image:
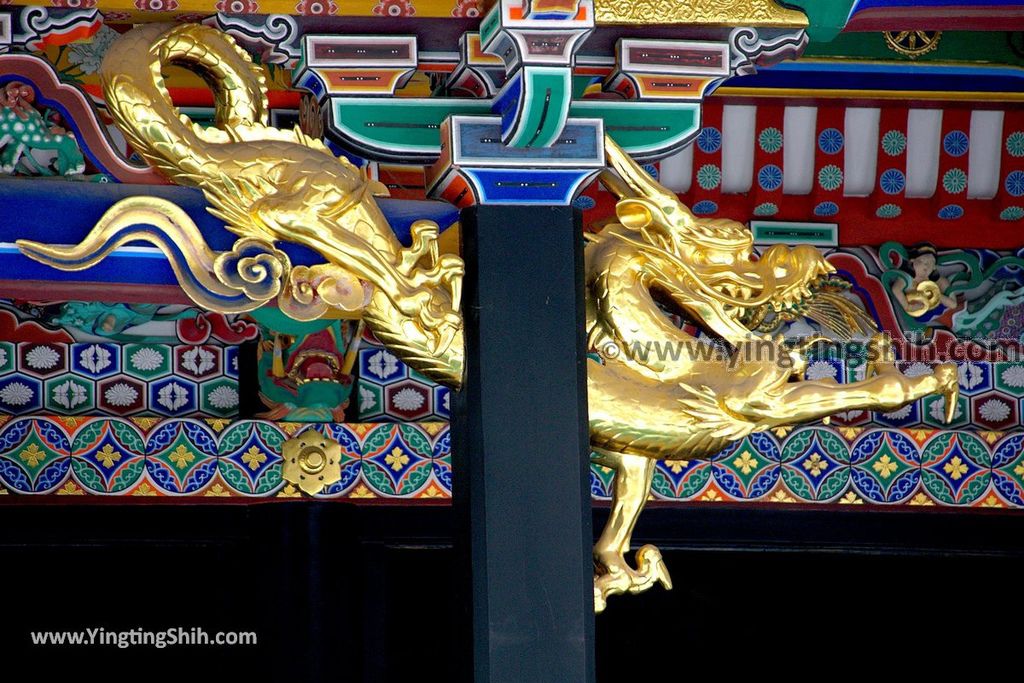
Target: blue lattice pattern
(849,465)
(388,390)
(101,378)
(211,457)
(991,395)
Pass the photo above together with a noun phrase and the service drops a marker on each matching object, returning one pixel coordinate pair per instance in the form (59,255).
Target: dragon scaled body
(656,395)
(270,185)
(267,185)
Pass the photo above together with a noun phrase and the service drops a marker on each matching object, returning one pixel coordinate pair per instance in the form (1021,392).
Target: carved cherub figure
(24,129)
(925,292)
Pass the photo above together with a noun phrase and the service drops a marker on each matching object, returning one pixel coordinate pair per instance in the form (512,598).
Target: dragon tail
(231,282)
(142,108)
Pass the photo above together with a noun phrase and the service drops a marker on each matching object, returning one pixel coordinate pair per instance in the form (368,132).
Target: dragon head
(706,267)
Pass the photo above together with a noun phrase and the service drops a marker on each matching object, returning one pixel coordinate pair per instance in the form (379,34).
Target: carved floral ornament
(722,12)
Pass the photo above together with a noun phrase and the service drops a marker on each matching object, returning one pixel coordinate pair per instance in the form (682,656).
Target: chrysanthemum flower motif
(367,400)
(121,394)
(224,397)
(769,177)
(709,140)
(826,209)
(1015,144)
(994,410)
(94,358)
(894,142)
(917,370)
(955,143)
(892,181)
(830,177)
(888,211)
(820,369)
(830,141)
(1011,213)
(1014,183)
(951,212)
(899,413)
(147,359)
(770,140)
(173,396)
(954,181)
(42,358)
(69,394)
(16,394)
(1013,376)
(408,399)
(709,176)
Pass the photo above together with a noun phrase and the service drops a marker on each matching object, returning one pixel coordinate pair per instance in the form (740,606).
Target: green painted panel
(825,18)
(781,232)
(490,25)
(401,124)
(412,125)
(643,128)
(544,108)
(954,46)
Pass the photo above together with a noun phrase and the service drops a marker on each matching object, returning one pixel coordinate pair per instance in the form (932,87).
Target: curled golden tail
(233,281)
(141,106)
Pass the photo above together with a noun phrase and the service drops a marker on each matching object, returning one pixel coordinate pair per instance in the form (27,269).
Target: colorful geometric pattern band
(214,458)
(169,380)
(990,397)
(412,463)
(823,465)
(388,390)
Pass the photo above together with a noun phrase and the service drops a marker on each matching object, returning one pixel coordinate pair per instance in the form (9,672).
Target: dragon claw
(949,386)
(616,577)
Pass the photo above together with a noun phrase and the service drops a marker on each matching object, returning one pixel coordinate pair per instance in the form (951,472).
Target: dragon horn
(633,176)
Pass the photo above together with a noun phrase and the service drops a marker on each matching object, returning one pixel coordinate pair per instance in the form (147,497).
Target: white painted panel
(677,170)
(984,154)
(924,127)
(738,124)
(798,149)
(860,160)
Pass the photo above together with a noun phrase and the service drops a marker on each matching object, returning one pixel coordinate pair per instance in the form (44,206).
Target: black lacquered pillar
(521,487)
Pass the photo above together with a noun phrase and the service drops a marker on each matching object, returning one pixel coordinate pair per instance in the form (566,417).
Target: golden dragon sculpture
(271,185)
(657,396)
(267,185)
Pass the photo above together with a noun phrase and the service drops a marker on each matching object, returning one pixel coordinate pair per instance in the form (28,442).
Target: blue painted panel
(526,187)
(808,74)
(481,141)
(63,212)
(920,4)
(506,104)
